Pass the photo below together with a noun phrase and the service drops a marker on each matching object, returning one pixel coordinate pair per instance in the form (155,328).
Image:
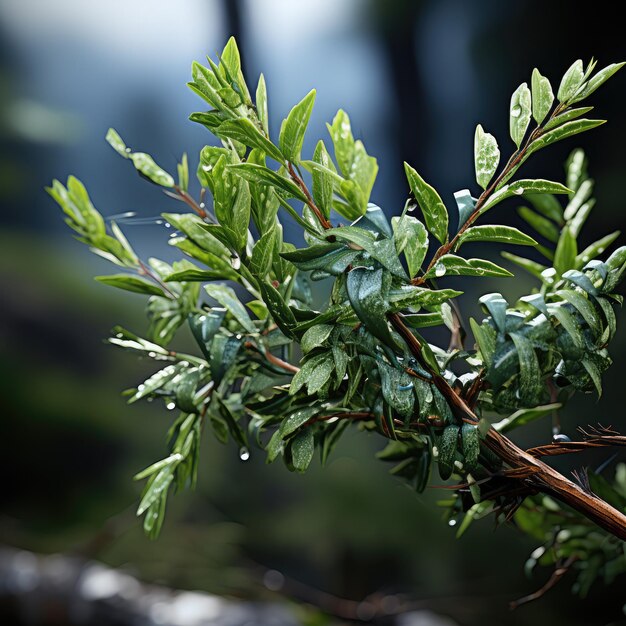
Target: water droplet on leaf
(440,270)
(244,454)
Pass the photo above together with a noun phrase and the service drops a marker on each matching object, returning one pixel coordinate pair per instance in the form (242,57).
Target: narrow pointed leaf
(501,234)
(293,128)
(433,208)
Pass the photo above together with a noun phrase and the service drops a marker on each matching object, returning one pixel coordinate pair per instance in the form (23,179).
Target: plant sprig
(276,372)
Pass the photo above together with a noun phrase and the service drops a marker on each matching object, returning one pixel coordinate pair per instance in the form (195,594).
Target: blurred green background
(415,77)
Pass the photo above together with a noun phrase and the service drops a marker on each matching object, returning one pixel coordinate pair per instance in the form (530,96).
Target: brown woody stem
(541,476)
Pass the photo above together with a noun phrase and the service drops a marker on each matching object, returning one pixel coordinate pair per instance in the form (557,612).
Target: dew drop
(440,270)
(428,397)
(235,262)
(519,191)
(244,454)
(452,522)
(170,406)
(516,111)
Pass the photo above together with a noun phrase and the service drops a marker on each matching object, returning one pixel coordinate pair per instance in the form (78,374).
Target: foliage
(245,294)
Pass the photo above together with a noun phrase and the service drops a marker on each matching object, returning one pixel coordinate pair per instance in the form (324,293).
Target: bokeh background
(416,77)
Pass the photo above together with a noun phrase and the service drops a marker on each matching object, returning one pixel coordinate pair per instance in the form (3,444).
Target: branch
(565,447)
(513,162)
(558,573)
(309,199)
(544,478)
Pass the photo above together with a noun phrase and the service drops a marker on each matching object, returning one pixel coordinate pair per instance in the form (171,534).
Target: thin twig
(557,575)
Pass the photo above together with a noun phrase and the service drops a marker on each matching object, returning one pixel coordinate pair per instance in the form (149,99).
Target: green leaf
(278,308)
(543,226)
(416,297)
(599,79)
(263,253)
(145,164)
(261,104)
(452,265)
(447,449)
(532,267)
(501,234)
(367,290)
(343,142)
(596,248)
(530,384)
(397,389)
(566,251)
(293,128)
(172,459)
(229,300)
(314,374)
(520,188)
(183,173)
(547,205)
(485,337)
(525,416)
(519,113)
(470,444)
(157,488)
(571,82)
(323,181)
(569,323)
(584,307)
(542,96)
(433,208)
(486,156)
(411,238)
(566,116)
(135,284)
(260,174)
(315,337)
(289,425)
(156,381)
(302,450)
(383,250)
(117,143)
(244,131)
(562,132)
(363,172)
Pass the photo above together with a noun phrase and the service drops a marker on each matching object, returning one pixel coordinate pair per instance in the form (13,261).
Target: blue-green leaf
(229,300)
(367,290)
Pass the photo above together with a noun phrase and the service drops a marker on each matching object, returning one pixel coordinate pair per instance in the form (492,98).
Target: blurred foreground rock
(60,589)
